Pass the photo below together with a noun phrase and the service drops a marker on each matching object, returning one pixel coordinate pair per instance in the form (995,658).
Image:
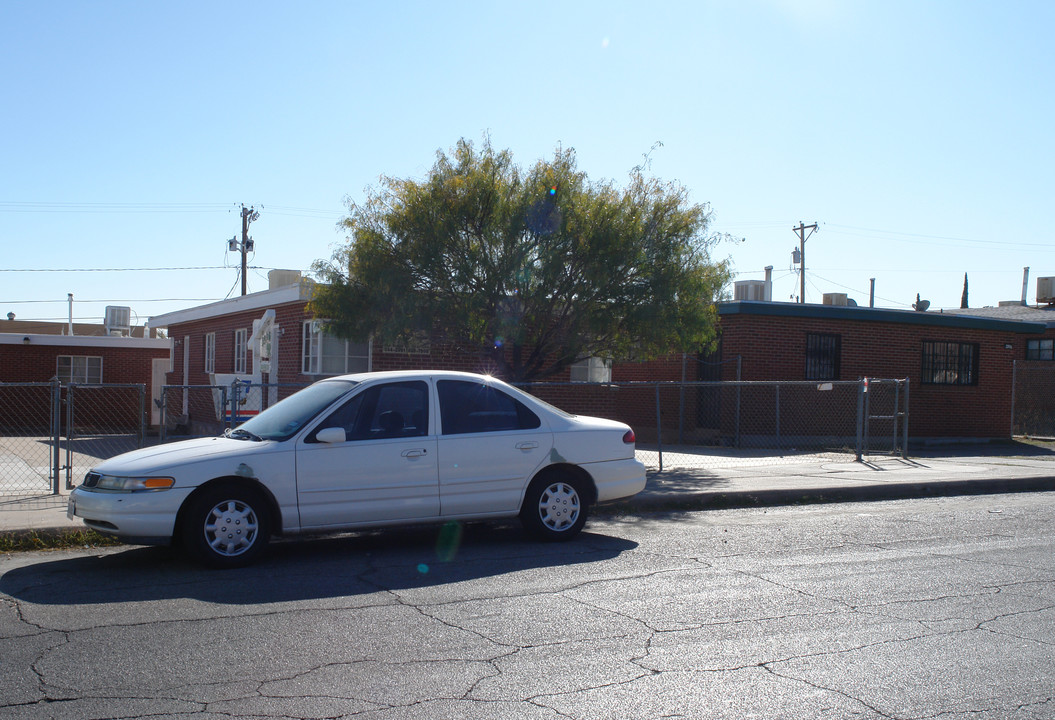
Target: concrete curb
(776,497)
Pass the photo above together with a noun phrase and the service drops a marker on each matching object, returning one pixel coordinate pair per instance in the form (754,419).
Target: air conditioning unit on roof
(835,299)
(758,290)
(118,320)
(1045,290)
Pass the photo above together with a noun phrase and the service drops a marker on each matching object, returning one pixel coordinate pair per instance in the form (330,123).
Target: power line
(914,237)
(112,302)
(54,207)
(141,269)
(133,208)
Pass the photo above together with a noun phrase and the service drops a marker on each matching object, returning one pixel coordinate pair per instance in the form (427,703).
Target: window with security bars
(822,356)
(84,369)
(949,363)
(1040,349)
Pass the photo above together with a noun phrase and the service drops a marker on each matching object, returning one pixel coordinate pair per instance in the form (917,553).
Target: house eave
(84,341)
(252,302)
(883,315)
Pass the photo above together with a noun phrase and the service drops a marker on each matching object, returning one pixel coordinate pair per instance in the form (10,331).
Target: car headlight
(133,484)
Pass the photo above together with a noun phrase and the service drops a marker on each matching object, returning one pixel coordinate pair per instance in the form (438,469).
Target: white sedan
(366,450)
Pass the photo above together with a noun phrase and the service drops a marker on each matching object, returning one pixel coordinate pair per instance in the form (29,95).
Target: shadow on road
(336,566)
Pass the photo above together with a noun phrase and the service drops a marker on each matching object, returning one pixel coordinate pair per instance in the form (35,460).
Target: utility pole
(803,237)
(249,215)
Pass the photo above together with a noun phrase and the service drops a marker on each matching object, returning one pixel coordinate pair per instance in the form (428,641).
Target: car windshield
(283,419)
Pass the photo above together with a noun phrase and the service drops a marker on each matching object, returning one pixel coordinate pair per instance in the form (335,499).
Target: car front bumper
(143,517)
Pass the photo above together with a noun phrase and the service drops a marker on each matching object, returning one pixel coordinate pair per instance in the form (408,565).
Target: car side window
(392,410)
(471,407)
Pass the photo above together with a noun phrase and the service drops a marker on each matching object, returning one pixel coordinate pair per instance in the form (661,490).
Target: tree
(535,269)
(963,298)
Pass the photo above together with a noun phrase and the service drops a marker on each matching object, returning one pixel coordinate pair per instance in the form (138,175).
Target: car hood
(159,458)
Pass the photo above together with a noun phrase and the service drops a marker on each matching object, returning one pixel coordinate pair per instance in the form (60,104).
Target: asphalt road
(903,609)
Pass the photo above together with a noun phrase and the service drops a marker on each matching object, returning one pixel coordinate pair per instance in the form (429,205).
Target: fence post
(904,426)
(897,416)
(859,449)
(56,431)
(659,430)
(71,419)
(162,431)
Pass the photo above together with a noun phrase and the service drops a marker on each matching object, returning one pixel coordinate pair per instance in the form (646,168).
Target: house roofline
(244,303)
(902,317)
(74,341)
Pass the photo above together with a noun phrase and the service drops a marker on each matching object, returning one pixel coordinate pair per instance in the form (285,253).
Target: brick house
(960,366)
(83,359)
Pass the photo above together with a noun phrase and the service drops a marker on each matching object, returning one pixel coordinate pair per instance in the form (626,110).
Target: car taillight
(629,438)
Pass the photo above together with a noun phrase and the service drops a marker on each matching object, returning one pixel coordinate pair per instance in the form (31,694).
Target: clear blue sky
(918,134)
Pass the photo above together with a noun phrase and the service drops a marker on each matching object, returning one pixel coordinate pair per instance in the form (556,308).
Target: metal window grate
(949,363)
(822,356)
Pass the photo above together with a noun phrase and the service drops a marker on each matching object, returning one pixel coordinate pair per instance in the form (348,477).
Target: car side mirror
(331,435)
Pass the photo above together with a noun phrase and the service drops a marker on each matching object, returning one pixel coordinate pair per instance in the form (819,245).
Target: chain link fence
(1033,399)
(207,410)
(50,433)
(28,438)
(720,424)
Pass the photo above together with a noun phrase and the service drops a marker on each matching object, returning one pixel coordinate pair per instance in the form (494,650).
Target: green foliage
(537,269)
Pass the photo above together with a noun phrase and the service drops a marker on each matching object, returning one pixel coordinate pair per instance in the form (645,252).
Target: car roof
(410,374)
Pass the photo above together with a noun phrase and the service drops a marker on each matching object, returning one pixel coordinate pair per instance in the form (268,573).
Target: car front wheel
(227,526)
(554,508)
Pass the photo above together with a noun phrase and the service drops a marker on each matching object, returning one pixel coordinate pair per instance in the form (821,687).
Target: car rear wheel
(227,526)
(554,508)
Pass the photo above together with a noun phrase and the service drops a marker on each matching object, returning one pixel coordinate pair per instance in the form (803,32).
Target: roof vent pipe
(69,297)
(1025,282)
(872,294)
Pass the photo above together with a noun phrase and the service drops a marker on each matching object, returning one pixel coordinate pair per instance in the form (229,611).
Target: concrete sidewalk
(754,481)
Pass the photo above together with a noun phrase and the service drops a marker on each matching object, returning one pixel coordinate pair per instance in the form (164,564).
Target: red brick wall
(37,363)
(774,348)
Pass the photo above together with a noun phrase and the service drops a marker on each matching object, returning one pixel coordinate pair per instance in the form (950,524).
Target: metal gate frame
(71,424)
(899,416)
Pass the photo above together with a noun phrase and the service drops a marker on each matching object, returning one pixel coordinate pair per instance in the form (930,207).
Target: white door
(490,445)
(158,372)
(384,470)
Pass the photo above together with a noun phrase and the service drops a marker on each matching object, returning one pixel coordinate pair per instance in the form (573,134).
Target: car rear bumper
(617,479)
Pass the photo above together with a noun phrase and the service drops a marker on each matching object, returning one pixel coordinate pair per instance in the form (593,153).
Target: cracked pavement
(911,609)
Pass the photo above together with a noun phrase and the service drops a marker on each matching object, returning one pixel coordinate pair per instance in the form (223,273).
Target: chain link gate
(101,421)
(51,434)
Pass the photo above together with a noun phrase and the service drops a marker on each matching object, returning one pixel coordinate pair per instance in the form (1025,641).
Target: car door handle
(527,445)
(415,453)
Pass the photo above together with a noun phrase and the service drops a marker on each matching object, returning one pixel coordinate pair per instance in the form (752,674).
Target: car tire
(227,526)
(554,508)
